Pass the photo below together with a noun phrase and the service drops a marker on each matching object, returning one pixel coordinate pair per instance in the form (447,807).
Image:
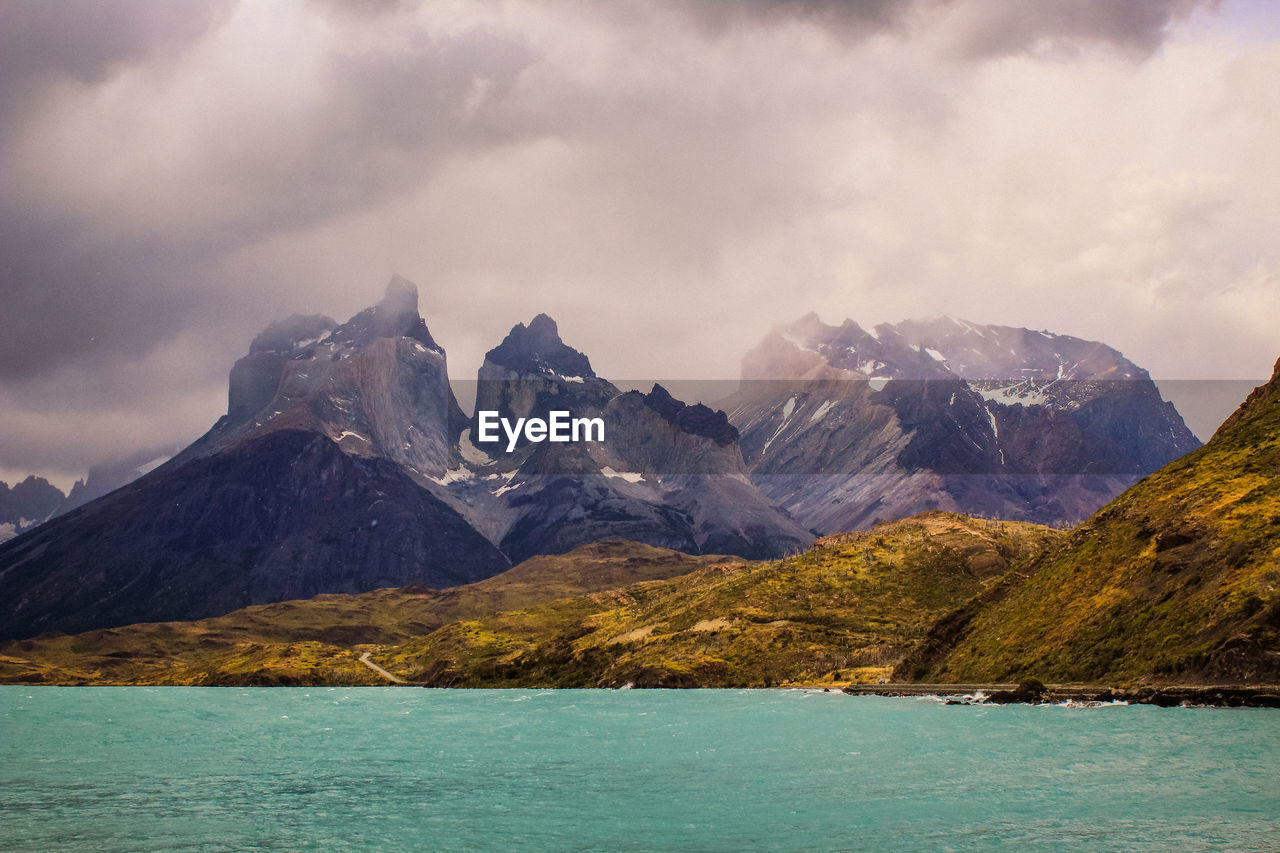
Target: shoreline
(972,694)
(1165,696)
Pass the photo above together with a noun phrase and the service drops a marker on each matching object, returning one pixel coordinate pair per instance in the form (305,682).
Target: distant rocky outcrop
(106,477)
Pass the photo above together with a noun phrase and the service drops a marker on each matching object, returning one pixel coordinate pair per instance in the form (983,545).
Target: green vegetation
(845,610)
(319,641)
(605,614)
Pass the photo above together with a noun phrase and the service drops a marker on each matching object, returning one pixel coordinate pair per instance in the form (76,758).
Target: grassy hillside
(846,609)
(1177,580)
(318,641)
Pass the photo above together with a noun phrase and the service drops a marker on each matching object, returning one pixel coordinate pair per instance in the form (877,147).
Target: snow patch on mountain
(1017,394)
(454,475)
(629,476)
(470,452)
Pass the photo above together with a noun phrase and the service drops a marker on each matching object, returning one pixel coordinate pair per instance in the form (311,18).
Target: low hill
(312,641)
(1177,580)
(847,608)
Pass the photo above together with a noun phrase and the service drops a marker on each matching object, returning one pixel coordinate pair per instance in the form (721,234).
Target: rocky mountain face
(344,463)
(844,426)
(666,473)
(282,515)
(316,480)
(1175,581)
(377,385)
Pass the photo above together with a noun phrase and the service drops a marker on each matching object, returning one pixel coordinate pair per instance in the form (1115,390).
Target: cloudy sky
(667,179)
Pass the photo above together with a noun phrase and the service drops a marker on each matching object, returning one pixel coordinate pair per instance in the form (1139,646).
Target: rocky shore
(1035,693)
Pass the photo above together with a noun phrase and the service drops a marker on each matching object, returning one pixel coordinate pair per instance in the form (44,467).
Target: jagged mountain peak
(377,385)
(811,349)
(27,504)
(395,316)
(696,419)
(810,330)
(537,348)
(932,348)
(543,327)
(397,313)
(401,295)
(660,400)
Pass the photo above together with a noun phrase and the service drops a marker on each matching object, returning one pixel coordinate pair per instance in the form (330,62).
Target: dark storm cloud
(384,114)
(66,297)
(988,28)
(47,42)
(384,121)
(982,28)
(845,17)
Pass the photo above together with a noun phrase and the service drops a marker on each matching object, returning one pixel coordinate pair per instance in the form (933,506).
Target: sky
(668,179)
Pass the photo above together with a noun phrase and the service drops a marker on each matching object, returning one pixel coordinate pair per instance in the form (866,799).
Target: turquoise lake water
(134,768)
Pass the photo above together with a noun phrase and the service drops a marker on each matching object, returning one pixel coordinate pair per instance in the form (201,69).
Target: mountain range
(344,462)
(1173,584)
(844,427)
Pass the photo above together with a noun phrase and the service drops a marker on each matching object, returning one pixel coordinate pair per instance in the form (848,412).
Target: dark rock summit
(696,419)
(538,348)
(533,372)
